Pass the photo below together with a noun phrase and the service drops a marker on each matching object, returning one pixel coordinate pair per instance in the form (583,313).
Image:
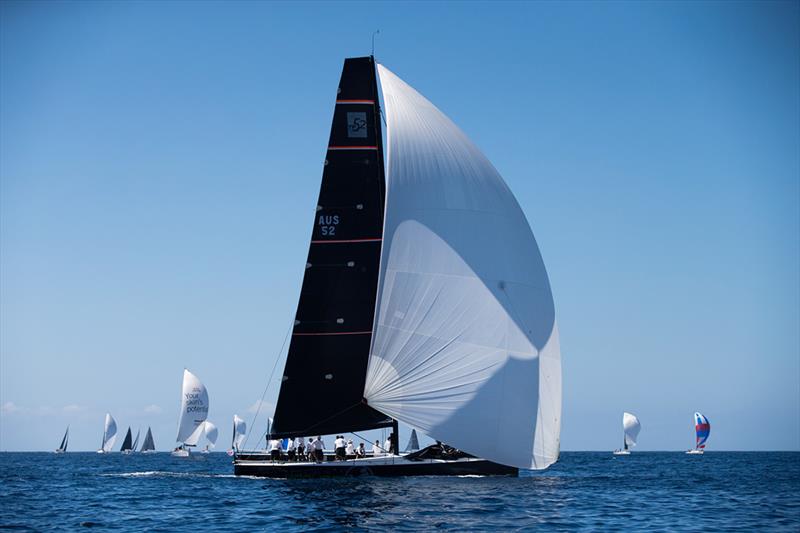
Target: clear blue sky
(160,163)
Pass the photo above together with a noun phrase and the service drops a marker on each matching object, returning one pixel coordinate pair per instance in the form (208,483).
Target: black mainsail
(323,380)
(64,441)
(127,443)
(148,445)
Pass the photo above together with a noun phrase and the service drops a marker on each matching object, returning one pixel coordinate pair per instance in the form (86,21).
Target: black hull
(277,469)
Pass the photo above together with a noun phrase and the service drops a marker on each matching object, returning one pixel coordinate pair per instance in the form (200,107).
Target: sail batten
(465,344)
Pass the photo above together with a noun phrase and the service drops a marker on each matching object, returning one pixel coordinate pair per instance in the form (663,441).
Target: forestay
(465,342)
(194,409)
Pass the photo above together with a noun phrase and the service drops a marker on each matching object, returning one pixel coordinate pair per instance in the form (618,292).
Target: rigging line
(360,437)
(269,381)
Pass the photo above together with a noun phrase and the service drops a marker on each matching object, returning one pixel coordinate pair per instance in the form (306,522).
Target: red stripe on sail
(334,333)
(341,241)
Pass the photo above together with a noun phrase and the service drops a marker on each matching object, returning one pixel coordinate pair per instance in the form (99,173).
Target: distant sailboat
(135,441)
(630,428)
(702,429)
(413,442)
(239,433)
(64,442)
(109,434)
(211,432)
(127,443)
(194,411)
(148,446)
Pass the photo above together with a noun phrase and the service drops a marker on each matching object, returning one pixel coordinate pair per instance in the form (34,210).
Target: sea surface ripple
(724,491)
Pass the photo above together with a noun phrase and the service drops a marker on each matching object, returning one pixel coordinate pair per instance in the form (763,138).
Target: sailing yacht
(64,442)
(135,441)
(702,429)
(630,431)
(194,411)
(148,446)
(413,442)
(211,433)
(239,434)
(109,434)
(428,277)
(127,443)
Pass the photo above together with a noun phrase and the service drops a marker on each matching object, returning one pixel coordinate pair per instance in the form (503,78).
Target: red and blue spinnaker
(702,428)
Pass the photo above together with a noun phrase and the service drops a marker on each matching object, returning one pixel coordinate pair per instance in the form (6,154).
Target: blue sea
(722,491)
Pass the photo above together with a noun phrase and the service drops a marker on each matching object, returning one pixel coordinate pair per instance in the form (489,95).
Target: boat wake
(162,473)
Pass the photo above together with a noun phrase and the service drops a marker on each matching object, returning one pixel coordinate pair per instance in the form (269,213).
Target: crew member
(377,451)
(339,448)
(319,449)
(275,449)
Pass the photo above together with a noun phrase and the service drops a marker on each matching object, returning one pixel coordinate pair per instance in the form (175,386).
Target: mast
(322,386)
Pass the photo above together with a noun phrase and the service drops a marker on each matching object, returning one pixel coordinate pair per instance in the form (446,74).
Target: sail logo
(194,402)
(327,224)
(356,124)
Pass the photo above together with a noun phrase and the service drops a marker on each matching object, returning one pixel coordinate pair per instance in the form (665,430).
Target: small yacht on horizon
(702,429)
(194,411)
(64,442)
(630,431)
(109,434)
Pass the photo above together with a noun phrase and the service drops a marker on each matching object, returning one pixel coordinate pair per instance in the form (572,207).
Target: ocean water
(723,491)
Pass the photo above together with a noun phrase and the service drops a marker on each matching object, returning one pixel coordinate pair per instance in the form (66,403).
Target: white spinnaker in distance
(109,433)
(194,409)
(631,426)
(465,344)
(239,432)
(211,432)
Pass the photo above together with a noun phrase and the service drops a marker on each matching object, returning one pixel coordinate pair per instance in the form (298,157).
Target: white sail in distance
(465,341)
(239,432)
(194,409)
(109,433)
(631,426)
(211,432)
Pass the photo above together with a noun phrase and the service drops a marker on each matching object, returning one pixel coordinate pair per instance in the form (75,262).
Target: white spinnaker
(194,409)
(239,432)
(465,344)
(109,433)
(211,433)
(631,426)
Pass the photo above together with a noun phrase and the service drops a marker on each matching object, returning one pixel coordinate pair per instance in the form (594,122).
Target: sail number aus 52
(327,224)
